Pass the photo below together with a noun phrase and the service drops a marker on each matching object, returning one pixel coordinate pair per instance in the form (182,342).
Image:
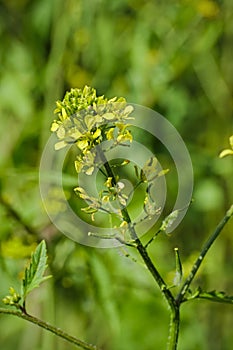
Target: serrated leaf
(34,274)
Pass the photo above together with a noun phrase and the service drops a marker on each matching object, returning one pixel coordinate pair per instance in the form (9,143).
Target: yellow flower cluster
(12,299)
(86,120)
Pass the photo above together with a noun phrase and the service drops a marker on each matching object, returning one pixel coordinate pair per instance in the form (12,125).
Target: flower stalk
(175,315)
(87,120)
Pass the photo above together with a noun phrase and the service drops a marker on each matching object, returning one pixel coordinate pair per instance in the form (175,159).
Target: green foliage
(34,274)
(33,277)
(176,59)
(113,190)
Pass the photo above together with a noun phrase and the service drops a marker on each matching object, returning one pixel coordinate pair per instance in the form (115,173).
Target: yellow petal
(108,183)
(54,126)
(78,166)
(124,224)
(64,114)
(231,141)
(129,109)
(225,152)
(109,116)
(90,121)
(61,132)
(97,133)
(82,144)
(60,145)
(110,134)
(89,171)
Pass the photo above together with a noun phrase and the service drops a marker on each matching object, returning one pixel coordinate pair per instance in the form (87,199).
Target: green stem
(174,329)
(156,275)
(49,328)
(205,249)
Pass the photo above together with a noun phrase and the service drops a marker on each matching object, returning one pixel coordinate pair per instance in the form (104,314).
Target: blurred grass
(173,57)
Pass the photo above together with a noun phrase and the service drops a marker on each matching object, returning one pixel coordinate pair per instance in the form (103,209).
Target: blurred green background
(174,57)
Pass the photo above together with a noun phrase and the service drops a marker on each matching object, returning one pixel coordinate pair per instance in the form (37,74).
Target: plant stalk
(50,328)
(205,249)
(174,327)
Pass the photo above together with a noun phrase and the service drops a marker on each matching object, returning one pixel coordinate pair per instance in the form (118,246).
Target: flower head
(86,119)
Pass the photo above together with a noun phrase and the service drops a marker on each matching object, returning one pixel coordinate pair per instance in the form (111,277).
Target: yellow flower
(86,119)
(108,183)
(96,134)
(54,126)
(110,134)
(82,144)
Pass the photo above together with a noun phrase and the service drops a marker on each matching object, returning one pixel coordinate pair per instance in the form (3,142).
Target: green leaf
(34,274)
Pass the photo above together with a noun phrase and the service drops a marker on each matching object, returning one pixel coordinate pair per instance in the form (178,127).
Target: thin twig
(205,249)
(50,328)
(152,238)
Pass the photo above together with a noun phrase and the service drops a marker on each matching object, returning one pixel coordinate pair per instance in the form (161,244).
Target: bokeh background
(174,57)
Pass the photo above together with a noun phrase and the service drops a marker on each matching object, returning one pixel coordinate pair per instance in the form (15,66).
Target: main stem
(175,316)
(174,329)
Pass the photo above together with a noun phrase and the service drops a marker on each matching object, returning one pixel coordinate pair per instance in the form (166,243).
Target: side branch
(50,328)
(203,253)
